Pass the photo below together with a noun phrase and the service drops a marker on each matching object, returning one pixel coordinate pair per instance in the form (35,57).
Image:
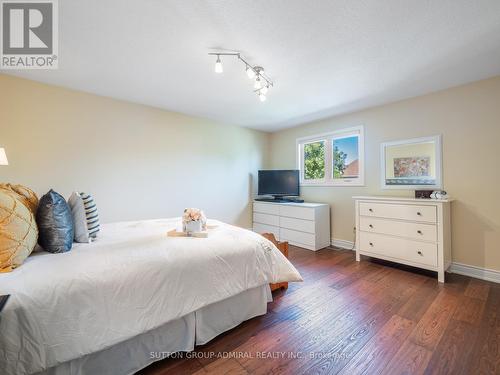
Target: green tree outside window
(314,161)
(339,164)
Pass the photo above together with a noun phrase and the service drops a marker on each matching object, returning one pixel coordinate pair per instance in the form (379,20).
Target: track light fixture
(261,84)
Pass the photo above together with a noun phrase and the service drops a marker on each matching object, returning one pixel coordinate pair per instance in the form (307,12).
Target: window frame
(329,138)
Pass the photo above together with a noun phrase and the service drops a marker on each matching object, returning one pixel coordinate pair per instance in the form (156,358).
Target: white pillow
(77,207)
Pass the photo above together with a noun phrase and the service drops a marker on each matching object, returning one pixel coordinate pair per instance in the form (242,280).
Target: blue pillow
(55,223)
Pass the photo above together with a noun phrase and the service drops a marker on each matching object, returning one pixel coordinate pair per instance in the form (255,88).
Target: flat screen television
(279,183)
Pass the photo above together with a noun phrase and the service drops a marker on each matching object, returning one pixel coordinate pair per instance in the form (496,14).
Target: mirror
(411,163)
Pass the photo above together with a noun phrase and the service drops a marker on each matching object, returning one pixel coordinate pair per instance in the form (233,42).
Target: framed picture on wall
(412,163)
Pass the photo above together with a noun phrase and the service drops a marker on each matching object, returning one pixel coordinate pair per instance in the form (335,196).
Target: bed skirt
(220,317)
(180,335)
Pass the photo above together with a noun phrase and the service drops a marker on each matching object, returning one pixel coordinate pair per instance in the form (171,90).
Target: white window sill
(334,185)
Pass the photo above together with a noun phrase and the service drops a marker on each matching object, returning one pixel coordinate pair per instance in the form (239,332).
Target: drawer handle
(371,243)
(419,231)
(420,253)
(370,209)
(419,213)
(371,226)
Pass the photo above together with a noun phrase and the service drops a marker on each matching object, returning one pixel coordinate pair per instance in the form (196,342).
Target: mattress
(132,280)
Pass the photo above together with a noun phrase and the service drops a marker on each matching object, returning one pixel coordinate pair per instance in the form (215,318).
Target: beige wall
(138,162)
(468,117)
(141,162)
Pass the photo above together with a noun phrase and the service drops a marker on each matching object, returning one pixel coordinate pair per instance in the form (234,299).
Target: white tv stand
(305,225)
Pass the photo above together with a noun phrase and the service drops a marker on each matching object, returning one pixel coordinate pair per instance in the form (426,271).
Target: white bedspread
(132,279)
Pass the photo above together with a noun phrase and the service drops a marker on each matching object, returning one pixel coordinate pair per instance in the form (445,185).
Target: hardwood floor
(359,318)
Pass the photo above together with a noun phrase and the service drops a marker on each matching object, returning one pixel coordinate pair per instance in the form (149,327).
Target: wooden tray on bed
(202,234)
(175,233)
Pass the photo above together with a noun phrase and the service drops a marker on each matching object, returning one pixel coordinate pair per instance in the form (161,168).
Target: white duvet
(132,279)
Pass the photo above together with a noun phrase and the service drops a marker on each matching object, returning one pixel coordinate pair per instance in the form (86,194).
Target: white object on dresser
(416,232)
(301,224)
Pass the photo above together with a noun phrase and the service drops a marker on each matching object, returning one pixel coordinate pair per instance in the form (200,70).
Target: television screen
(279,183)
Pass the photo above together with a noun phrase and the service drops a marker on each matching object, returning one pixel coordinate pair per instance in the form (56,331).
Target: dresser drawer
(417,231)
(266,219)
(425,214)
(263,228)
(399,248)
(297,237)
(297,224)
(264,208)
(297,212)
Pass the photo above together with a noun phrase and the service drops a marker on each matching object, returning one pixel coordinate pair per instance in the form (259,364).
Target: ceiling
(326,57)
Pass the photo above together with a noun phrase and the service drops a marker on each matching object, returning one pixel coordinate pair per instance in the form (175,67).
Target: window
(332,159)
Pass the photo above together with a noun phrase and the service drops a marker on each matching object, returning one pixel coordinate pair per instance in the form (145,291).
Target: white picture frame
(402,167)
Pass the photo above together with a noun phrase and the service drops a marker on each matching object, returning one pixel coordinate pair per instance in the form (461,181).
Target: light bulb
(3,157)
(258,84)
(265,89)
(218,65)
(262,97)
(250,72)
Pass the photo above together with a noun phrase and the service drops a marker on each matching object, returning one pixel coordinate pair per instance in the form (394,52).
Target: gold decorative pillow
(18,231)
(25,195)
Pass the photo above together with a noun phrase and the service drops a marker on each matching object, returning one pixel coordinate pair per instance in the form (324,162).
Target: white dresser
(416,232)
(301,224)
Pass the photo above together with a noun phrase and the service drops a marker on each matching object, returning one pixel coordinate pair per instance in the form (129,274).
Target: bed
(133,297)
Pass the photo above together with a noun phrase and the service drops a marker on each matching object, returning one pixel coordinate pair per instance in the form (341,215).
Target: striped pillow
(91,214)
